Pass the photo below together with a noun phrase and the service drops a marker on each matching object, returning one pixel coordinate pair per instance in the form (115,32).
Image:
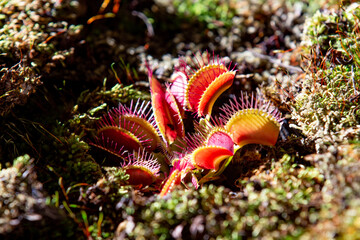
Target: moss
(276,204)
(212,13)
(326,108)
(69,160)
(339,195)
(106,203)
(16,85)
(326,27)
(32,44)
(26,29)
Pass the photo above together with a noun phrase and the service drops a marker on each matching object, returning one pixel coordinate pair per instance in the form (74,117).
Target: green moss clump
(325,28)
(326,109)
(25,31)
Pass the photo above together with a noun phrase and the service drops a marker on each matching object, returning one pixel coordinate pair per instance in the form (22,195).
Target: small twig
(150,29)
(241,76)
(291,69)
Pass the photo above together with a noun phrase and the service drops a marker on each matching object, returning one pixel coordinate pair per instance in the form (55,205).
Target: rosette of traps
(143,130)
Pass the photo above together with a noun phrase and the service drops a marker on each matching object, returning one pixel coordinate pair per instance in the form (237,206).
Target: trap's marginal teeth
(143,168)
(120,137)
(252,120)
(129,128)
(207,80)
(178,89)
(253,126)
(141,127)
(111,148)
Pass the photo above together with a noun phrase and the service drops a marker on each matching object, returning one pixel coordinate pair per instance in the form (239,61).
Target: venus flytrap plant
(207,151)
